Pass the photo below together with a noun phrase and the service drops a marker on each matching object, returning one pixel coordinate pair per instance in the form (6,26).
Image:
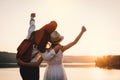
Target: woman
(55,69)
(30,70)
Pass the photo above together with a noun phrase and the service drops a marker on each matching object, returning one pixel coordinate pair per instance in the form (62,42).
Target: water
(73,73)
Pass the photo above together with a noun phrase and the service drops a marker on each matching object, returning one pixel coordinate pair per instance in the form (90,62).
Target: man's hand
(83,29)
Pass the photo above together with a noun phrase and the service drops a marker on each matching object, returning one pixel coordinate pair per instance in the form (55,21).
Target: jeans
(29,73)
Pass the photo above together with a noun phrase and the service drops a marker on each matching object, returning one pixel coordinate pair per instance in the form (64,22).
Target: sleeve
(32,23)
(48,55)
(31,28)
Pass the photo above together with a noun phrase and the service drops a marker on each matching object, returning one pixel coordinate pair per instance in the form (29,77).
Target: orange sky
(101,18)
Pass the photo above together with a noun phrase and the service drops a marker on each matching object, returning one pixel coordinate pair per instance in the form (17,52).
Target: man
(30,70)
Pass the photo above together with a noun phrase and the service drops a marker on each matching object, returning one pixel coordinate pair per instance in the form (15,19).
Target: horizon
(72,55)
(101,19)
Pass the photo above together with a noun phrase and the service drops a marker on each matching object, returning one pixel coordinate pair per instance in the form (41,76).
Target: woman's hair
(53,45)
(42,45)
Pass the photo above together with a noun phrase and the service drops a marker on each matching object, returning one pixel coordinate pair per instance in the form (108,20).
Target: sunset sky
(100,17)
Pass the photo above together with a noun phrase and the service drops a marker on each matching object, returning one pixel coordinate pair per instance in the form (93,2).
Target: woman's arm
(49,55)
(75,41)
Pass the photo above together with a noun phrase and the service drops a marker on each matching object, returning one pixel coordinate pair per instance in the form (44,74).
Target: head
(42,36)
(51,26)
(55,37)
(33,15)
(53,23)
(46,28)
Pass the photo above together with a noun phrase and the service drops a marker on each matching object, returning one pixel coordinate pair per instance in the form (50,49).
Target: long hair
(53,45)
(42,45)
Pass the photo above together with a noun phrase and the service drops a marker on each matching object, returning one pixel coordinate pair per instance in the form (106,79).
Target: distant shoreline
(8,65)
(14,65)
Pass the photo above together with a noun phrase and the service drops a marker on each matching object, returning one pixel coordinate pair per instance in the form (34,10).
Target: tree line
(110,61)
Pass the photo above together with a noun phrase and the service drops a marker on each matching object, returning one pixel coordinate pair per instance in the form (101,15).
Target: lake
(75,72)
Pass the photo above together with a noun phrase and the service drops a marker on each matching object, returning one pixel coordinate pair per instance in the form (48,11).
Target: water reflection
(73,73)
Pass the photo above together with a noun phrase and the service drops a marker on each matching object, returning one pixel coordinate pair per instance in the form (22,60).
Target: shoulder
(58,47)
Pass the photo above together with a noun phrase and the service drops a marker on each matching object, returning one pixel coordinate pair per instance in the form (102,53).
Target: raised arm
(75,41)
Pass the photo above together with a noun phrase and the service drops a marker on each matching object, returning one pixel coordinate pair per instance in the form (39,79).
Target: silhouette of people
(53,55)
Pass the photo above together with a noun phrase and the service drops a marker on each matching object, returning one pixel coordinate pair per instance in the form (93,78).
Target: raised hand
(83,29)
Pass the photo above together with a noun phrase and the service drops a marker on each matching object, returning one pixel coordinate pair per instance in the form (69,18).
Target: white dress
(55,69)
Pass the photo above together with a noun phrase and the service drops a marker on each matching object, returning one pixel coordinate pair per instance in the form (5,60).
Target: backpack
(24,50)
